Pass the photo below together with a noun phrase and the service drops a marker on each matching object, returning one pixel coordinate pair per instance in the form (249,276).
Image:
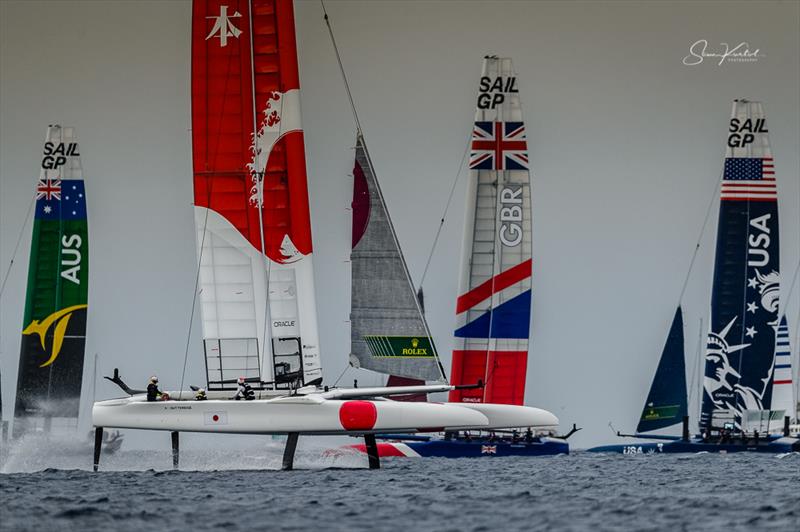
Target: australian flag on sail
(58,199)
(499,146)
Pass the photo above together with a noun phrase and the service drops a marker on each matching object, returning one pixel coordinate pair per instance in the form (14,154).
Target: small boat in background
(747,387)
(52,352)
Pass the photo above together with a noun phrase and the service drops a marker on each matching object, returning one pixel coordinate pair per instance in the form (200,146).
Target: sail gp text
(742,133)
(55,154)
(493,91)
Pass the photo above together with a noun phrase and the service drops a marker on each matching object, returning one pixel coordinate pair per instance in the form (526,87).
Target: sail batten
(494,304)
(388,331)
(745,297)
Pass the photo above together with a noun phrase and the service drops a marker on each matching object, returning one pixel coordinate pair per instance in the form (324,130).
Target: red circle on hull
(358,415)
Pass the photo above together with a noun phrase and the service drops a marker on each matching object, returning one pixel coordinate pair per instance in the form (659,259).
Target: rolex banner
(54,323)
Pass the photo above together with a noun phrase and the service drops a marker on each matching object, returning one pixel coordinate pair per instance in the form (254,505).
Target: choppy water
(242,490)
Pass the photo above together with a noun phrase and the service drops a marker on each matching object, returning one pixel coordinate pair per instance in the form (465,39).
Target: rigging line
(341,375)
(360,139)
(456,179)
(341,67)
(791,288)
(259,176)
(702,232)
(16,247)
(194,299)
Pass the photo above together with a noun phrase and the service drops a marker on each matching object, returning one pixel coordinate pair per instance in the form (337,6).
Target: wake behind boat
(747,399)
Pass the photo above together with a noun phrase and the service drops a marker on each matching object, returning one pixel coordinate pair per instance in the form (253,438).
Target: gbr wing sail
(250,194)
(494,306)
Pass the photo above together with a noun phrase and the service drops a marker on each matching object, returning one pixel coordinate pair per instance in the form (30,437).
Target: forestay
(250,192)
(388,331)
(494,305)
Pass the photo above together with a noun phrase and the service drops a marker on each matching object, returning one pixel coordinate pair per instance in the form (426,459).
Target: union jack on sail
(499,146)
(48,189)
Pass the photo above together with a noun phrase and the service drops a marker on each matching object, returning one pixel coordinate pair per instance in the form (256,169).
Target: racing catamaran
(54,325)
(747,345)
(493,310)
(51,360)
(255,275)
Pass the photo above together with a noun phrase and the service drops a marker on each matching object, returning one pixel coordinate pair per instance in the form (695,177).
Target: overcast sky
(626,146)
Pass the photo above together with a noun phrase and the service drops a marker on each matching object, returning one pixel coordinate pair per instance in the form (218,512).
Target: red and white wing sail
(251,193)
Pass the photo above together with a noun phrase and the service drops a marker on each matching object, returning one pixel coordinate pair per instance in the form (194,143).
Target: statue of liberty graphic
(722,382)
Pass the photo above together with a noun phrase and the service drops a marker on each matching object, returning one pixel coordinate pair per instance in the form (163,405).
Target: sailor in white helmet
(153,393)
(245,391)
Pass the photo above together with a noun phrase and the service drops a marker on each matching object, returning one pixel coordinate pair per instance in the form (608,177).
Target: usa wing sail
(388,331)
(745,295)
(54,323)
(494,306)
(250,193)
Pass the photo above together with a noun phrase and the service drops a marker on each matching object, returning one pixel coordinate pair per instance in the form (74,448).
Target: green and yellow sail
(54,323)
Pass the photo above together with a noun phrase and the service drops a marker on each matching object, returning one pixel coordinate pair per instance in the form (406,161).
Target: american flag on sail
(499,146)
(749,179)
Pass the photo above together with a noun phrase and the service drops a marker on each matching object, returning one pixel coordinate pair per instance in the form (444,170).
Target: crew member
(153,393)
(200,395)
(245,391)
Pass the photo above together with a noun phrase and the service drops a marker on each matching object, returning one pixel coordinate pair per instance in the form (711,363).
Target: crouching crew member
(245,391)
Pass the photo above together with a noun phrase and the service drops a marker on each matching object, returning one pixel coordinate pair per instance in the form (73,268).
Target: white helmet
(154,379)
(201,390)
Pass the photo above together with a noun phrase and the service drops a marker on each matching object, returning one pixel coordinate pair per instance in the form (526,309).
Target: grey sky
(626,145)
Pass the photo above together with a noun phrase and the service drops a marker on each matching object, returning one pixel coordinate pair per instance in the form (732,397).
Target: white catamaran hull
(501,416)
(300,414)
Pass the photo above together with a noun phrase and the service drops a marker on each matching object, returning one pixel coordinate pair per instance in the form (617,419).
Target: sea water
(243,490)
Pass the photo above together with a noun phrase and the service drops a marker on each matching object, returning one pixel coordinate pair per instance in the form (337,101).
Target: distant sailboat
(54,324)
(741,350)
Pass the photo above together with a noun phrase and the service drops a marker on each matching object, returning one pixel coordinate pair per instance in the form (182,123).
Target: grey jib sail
(388,332)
